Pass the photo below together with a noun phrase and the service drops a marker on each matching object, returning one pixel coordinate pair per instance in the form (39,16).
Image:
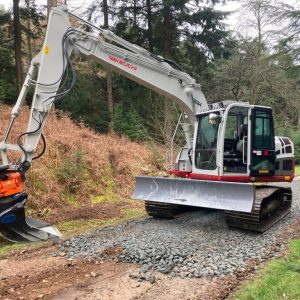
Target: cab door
(262,150)
(237,140)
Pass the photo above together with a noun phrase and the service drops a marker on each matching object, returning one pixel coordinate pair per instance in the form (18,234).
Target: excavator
(231,161)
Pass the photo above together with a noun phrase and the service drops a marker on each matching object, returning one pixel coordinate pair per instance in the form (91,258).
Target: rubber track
(161,210)
(253,221)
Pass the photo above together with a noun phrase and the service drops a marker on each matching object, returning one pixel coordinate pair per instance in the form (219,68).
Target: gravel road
(197,244)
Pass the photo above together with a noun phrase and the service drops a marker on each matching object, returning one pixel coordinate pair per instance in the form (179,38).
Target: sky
(77,6)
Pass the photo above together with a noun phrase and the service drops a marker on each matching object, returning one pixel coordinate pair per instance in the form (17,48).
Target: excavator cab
(237,144)
(249,142)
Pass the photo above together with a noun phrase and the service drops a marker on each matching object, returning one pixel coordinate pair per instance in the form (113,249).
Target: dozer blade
(208,194)
(15,227)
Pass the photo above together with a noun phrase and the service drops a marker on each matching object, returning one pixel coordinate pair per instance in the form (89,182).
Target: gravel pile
(194,245)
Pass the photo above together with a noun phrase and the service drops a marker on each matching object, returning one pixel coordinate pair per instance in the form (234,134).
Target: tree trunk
(168,124)
(110,100)
(134,13)
(29,49)
(17,45)
(167,29)
(105,14)
(259,28)
(149,21)
(109,91)
(167,53)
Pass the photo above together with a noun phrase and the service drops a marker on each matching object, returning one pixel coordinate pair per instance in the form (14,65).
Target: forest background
(261,68)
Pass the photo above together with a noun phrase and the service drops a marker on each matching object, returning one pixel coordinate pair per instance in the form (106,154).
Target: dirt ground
(36,274)
(103,211)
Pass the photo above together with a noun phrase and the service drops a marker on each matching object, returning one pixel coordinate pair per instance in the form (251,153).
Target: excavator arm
(53,76)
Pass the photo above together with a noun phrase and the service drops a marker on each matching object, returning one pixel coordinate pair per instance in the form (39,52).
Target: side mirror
(213,119)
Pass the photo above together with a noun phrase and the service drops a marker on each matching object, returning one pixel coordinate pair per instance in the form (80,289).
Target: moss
(106,198)
(7,248)
(133,212)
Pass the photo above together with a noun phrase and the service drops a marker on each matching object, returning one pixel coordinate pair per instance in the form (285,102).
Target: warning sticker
(46,50)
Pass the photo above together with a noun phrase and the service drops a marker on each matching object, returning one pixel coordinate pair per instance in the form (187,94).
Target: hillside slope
(82,170)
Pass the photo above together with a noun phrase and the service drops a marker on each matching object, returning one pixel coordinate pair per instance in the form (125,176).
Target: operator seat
(240,143)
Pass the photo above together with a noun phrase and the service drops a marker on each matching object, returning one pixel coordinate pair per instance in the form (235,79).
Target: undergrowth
(81,167)
(72,173)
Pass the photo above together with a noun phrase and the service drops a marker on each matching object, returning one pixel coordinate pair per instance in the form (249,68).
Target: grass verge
(280,279)
(297,170)
(71,228)
(8,247)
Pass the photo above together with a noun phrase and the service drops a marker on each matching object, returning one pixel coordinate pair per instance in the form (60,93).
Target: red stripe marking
(231,178)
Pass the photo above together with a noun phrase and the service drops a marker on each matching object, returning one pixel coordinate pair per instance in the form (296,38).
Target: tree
(140,22)
(23,27)
(184,24)
(290,16)
(17,44)
(103,5)
(109,88)
(7,67)
(31,28)
(149,24)
(259,77)
(169,32)
(274,74)
(87,101)
(262,19)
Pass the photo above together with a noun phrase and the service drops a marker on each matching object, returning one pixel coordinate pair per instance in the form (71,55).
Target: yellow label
(263,171)
(287,178)
(46,50)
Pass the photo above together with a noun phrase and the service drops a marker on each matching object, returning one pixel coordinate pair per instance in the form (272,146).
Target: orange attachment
(12,185)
